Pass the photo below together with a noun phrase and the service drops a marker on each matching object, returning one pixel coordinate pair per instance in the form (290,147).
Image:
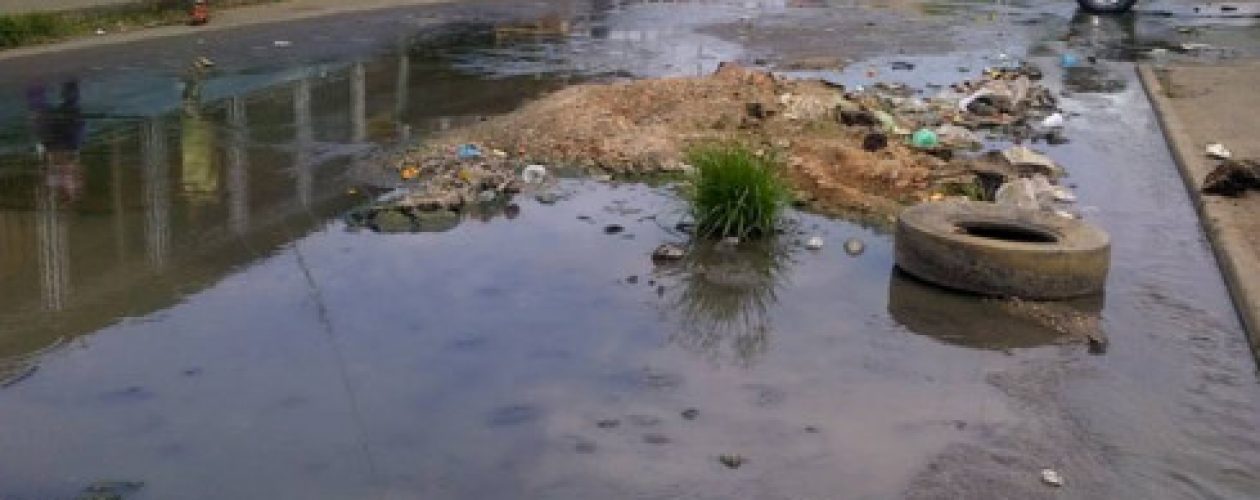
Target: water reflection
(970,321)
(724,295)
(111,208)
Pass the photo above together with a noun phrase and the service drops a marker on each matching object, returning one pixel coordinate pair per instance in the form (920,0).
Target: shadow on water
(113,206)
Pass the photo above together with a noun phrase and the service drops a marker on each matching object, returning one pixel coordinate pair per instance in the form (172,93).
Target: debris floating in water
(1051,477)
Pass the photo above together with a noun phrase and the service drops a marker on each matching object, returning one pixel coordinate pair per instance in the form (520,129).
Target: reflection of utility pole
(54,266)
(157,193)
(358,103)
(304,136)
(400,98)
(116,196)
(237,158)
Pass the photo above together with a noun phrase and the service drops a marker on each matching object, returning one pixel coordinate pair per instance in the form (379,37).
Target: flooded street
(184,307)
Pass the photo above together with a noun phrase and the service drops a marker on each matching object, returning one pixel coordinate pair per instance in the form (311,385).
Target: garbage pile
(861,151)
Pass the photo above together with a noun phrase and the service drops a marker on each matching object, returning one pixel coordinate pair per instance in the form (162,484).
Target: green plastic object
(925,139)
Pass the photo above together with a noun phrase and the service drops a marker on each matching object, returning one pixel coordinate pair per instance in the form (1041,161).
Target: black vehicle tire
(1001,251)
(1106,6)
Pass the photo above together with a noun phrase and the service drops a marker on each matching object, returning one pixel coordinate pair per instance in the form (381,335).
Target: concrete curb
(1233,254)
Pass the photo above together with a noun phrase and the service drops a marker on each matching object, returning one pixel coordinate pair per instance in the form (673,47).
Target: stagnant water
(183,308)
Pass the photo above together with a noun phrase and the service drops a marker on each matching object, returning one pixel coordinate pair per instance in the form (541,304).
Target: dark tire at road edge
(995,250)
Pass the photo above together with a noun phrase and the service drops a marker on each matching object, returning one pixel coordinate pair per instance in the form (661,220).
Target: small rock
(614,229)
(731,461)
(1218,151)
(1051,477)
(854,247)
(814,243)
(668,252)
(534,174)
(690,414)
(902,66)
(547,198)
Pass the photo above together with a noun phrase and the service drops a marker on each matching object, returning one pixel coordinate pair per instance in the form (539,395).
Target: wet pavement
(184,307)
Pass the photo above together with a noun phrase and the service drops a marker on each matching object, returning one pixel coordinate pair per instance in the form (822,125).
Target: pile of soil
(843,152)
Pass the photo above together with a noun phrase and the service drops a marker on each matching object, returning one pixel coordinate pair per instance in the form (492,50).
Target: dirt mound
(843,151)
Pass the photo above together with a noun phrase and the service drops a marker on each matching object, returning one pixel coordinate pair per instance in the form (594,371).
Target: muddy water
(217,332)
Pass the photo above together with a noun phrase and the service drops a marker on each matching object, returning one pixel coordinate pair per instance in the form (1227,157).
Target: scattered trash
(468,152)
(1055,120)
(814,243)
(1218,151)
(1022,156)
(1233,178)
(854,247)
(534,174)
(925,139)
(1051,477)
(953,136)
(731,461)
(282,43)
(668,252)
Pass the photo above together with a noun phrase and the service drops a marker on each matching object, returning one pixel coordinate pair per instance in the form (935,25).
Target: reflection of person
(199,174)
(60,131)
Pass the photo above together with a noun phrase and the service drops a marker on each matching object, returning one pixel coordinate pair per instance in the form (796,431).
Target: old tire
(1000,251)
(1106,6)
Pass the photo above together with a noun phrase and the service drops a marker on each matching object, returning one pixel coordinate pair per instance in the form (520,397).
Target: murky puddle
(220,333)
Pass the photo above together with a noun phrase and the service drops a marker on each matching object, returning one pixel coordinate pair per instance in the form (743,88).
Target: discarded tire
(1106,6)
(996,250)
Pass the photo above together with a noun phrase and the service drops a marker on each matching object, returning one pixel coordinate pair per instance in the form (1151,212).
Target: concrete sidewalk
(1198,105)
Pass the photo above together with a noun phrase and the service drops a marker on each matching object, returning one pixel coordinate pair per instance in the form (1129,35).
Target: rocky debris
(731,461)
(668,252)
(1051,477)
(850,150)
(1233,178)
(854,247)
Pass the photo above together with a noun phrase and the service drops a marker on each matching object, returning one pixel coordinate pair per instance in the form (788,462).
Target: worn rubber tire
(932,244)
(1104,7)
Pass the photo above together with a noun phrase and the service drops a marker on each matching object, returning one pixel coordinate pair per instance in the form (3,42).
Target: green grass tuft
(735,192)
(25,29)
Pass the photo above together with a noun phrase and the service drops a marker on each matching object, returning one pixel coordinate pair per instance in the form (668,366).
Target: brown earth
(646,126)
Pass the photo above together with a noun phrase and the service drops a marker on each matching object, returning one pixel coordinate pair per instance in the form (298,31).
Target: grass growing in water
(735,192)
